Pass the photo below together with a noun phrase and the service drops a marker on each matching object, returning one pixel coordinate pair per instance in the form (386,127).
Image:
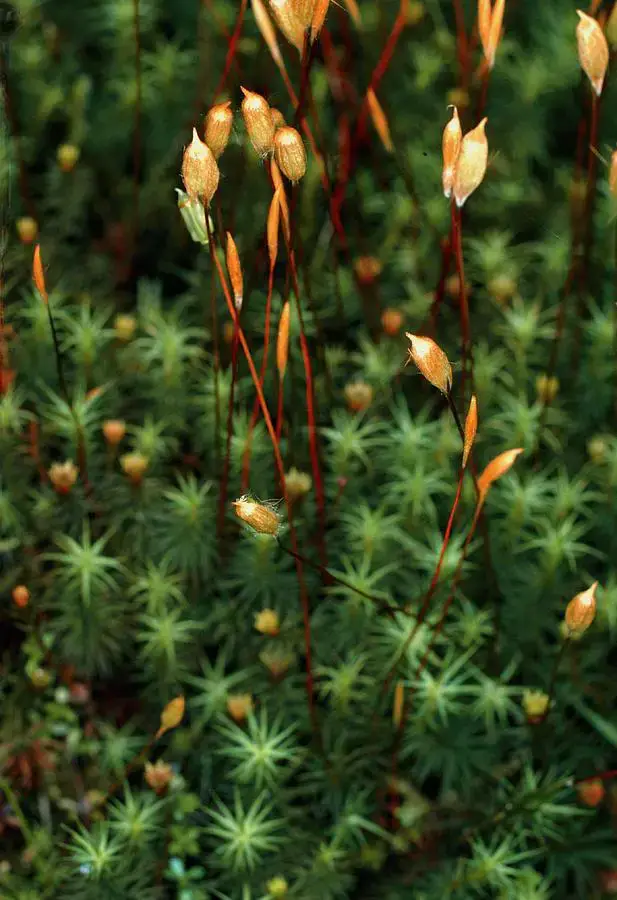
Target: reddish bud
(591,793)
(21,595)
(581,611)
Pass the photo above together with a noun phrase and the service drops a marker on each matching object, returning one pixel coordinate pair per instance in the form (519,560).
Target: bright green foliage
(358,721)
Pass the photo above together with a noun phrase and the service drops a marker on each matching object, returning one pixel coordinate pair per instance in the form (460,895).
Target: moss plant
(266,631)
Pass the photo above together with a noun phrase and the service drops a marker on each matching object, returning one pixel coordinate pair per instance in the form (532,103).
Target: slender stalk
(281,473)
(231,48)
(246,461)
(422,614)
(461,43)
(457,240)
(279,409)
(136,131)
(230,413)
(310,411)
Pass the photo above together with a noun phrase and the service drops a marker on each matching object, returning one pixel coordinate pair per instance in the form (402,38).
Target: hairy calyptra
(471,163)
(593,51)
(451,146)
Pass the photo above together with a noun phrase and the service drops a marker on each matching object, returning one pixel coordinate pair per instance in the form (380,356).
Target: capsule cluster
(268,133)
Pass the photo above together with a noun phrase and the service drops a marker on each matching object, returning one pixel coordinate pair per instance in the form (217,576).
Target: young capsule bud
(591,793)
(391,321)
(496,469)
(581,610)
(217,127)
(234,268)
(451,145)
(263,519)
(593,51)
(471,427)
(359,395)
(113,431)
(267,622)
(289,153)
(272,227)
(134,465)
(21,595)
(258,121)
(430,361)
(158,776)
(27,229)
(67,156)
(200,172)
(63,476)
(239,706)
(535,705)
(471,163)
(282,341)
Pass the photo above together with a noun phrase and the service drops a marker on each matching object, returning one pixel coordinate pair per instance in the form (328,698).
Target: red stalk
(246,461)
(457,240)
(230,410)
(279,410)
(136,133)
(232,47)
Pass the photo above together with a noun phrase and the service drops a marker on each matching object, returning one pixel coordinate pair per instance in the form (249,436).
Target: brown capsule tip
(581,610)
(431,361)
(289,153)
(262,518)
